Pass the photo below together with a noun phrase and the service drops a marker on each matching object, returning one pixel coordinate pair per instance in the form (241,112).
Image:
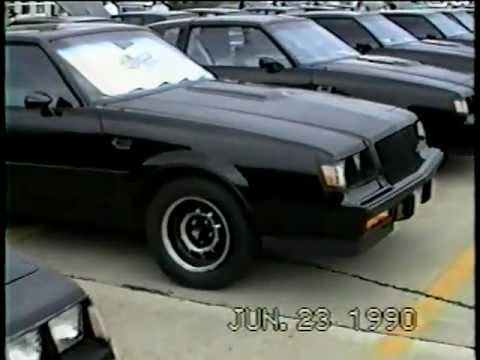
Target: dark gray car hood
(17,267)
(33,295)
(404,70)
(437,46)
(339,125)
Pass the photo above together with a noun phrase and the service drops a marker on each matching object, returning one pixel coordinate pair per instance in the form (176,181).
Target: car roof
(39,19)
(147,12)
(341,13)
(412,11)
(244,19)
(213,10)
(53,31)
(320,7)
(453,10)
(271,7)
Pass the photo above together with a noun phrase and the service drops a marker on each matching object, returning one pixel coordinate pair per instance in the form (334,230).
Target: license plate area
(410,205)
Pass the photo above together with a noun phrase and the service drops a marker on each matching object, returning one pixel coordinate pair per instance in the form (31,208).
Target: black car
(140,136)
(462,17)
(149,17)
(431,24)
(372,33)
(48,316)
(295,52)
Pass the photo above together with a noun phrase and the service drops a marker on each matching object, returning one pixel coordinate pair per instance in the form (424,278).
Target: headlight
(67,329)
(421,130)
(461,106)
(334,175)
(26,347)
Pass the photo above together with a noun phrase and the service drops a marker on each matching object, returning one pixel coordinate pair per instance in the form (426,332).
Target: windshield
(316,45)
(465,18)
(117,63)
(447,26)
(387,32)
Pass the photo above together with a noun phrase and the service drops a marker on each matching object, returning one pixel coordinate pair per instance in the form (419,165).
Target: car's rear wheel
(199,233)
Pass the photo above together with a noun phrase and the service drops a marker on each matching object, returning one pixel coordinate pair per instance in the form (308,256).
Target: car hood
(16,267)
(402,70)
(436,46)
(300,116)
(33,295)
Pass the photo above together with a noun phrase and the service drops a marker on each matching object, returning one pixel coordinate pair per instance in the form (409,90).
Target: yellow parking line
(445,285)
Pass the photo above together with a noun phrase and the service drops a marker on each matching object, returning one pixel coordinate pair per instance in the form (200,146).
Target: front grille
(359,168)
(398,154)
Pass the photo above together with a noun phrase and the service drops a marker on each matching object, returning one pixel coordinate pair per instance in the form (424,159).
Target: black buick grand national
(109,124)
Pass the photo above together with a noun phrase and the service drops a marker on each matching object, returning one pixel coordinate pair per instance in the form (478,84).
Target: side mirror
(431,37)
(39,100)
(363,48)
(271,65)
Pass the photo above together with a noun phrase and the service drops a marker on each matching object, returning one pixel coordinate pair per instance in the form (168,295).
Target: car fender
(199,161)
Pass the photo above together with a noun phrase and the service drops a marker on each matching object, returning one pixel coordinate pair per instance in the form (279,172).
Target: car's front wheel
(199,233)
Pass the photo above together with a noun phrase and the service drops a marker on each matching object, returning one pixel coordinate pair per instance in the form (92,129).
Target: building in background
(23,8)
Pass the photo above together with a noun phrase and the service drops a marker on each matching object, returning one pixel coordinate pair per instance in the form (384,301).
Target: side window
(349,31)
(28,69)
(418,26)
(133,20)
(232,46)
(210,46)
(171,35)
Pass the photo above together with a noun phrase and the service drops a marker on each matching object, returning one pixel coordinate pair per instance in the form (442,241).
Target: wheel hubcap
(195,234)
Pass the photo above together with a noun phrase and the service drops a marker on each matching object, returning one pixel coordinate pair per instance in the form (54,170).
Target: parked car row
(233,127)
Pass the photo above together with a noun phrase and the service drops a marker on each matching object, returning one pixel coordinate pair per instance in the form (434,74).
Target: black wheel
(199,233)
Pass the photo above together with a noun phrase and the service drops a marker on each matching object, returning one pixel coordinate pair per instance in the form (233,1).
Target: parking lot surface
(426,264)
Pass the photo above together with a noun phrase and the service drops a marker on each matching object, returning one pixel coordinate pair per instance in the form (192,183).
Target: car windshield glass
(465,18)
(447,26)
(117,63)
(387,32)
(316,44)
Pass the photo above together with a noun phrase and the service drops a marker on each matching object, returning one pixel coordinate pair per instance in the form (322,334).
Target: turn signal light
(380,219)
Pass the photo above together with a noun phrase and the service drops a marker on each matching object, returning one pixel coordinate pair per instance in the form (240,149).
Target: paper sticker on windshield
(125,65)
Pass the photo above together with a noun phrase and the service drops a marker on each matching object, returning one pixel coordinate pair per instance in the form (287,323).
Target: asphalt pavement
(422,274)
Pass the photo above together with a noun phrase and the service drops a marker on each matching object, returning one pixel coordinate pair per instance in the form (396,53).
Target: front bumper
(347,222)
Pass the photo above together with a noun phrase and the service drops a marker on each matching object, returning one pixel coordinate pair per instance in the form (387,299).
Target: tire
(199,234)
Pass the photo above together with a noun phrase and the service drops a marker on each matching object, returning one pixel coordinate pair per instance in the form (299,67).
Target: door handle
(122,143)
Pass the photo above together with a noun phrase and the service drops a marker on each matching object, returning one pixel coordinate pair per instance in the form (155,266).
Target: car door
(52,152)
(234,52)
